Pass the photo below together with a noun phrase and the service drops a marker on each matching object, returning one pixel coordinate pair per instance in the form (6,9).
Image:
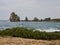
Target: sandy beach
(22,41)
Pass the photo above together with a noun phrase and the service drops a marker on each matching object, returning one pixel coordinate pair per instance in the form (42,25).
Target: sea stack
(14,17)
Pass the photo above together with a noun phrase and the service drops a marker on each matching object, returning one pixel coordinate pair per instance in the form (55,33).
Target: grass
(30,33)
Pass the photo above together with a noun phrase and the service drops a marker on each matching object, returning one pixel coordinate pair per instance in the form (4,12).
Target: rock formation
(26,19)
(35,19)
(47,19)
(14,17)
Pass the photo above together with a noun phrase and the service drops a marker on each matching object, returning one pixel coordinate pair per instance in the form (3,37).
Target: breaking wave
(49,30)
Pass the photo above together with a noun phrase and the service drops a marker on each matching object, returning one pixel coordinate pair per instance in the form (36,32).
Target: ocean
(42,26)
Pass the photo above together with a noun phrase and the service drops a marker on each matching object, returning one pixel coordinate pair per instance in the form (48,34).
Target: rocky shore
(22,41)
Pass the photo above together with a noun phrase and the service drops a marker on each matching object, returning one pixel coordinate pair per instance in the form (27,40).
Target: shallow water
(44,26)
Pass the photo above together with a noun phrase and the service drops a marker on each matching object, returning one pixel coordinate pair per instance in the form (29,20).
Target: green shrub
(30,33)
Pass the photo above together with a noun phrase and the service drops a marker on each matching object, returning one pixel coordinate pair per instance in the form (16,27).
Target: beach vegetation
(30,33)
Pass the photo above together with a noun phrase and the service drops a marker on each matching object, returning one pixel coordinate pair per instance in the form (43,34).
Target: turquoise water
(44,26)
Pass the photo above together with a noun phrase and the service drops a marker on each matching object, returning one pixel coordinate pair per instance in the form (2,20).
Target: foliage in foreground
(30,33)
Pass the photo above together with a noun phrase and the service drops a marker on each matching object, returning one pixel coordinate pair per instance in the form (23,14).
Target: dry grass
(22,41)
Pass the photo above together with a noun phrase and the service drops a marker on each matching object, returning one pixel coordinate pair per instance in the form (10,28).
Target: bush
(30,33)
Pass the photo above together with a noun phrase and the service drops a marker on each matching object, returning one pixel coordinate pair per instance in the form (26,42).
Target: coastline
(24,36)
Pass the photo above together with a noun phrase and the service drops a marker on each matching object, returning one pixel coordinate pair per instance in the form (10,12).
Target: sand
(23,41)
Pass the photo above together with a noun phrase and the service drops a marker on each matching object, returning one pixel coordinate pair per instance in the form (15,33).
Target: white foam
(49,30)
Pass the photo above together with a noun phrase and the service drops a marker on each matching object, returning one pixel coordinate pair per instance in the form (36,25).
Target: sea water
(42,26)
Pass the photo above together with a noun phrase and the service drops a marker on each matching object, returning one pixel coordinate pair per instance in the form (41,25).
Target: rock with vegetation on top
(47,19)
(14,17)
(35,19)
(26,19)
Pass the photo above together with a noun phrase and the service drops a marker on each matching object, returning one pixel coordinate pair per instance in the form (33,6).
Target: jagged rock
(14,17)
(26,19)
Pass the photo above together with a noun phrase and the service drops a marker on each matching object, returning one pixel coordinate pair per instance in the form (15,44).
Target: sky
(30,8)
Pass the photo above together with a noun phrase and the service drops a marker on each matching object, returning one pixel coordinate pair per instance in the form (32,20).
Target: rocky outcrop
(47,19)
(35,19)
(26,19)
(56,20)
(14,17)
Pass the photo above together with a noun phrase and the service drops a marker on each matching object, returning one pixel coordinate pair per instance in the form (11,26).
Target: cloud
(30,8)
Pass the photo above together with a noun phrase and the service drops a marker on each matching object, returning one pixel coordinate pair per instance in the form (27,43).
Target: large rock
(26,19)
(47,19)
(14,17)
(35,19)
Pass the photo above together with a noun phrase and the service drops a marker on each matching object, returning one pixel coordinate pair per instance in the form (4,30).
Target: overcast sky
(30,8)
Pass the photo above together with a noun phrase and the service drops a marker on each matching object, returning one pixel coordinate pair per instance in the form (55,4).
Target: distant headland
(15,18)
